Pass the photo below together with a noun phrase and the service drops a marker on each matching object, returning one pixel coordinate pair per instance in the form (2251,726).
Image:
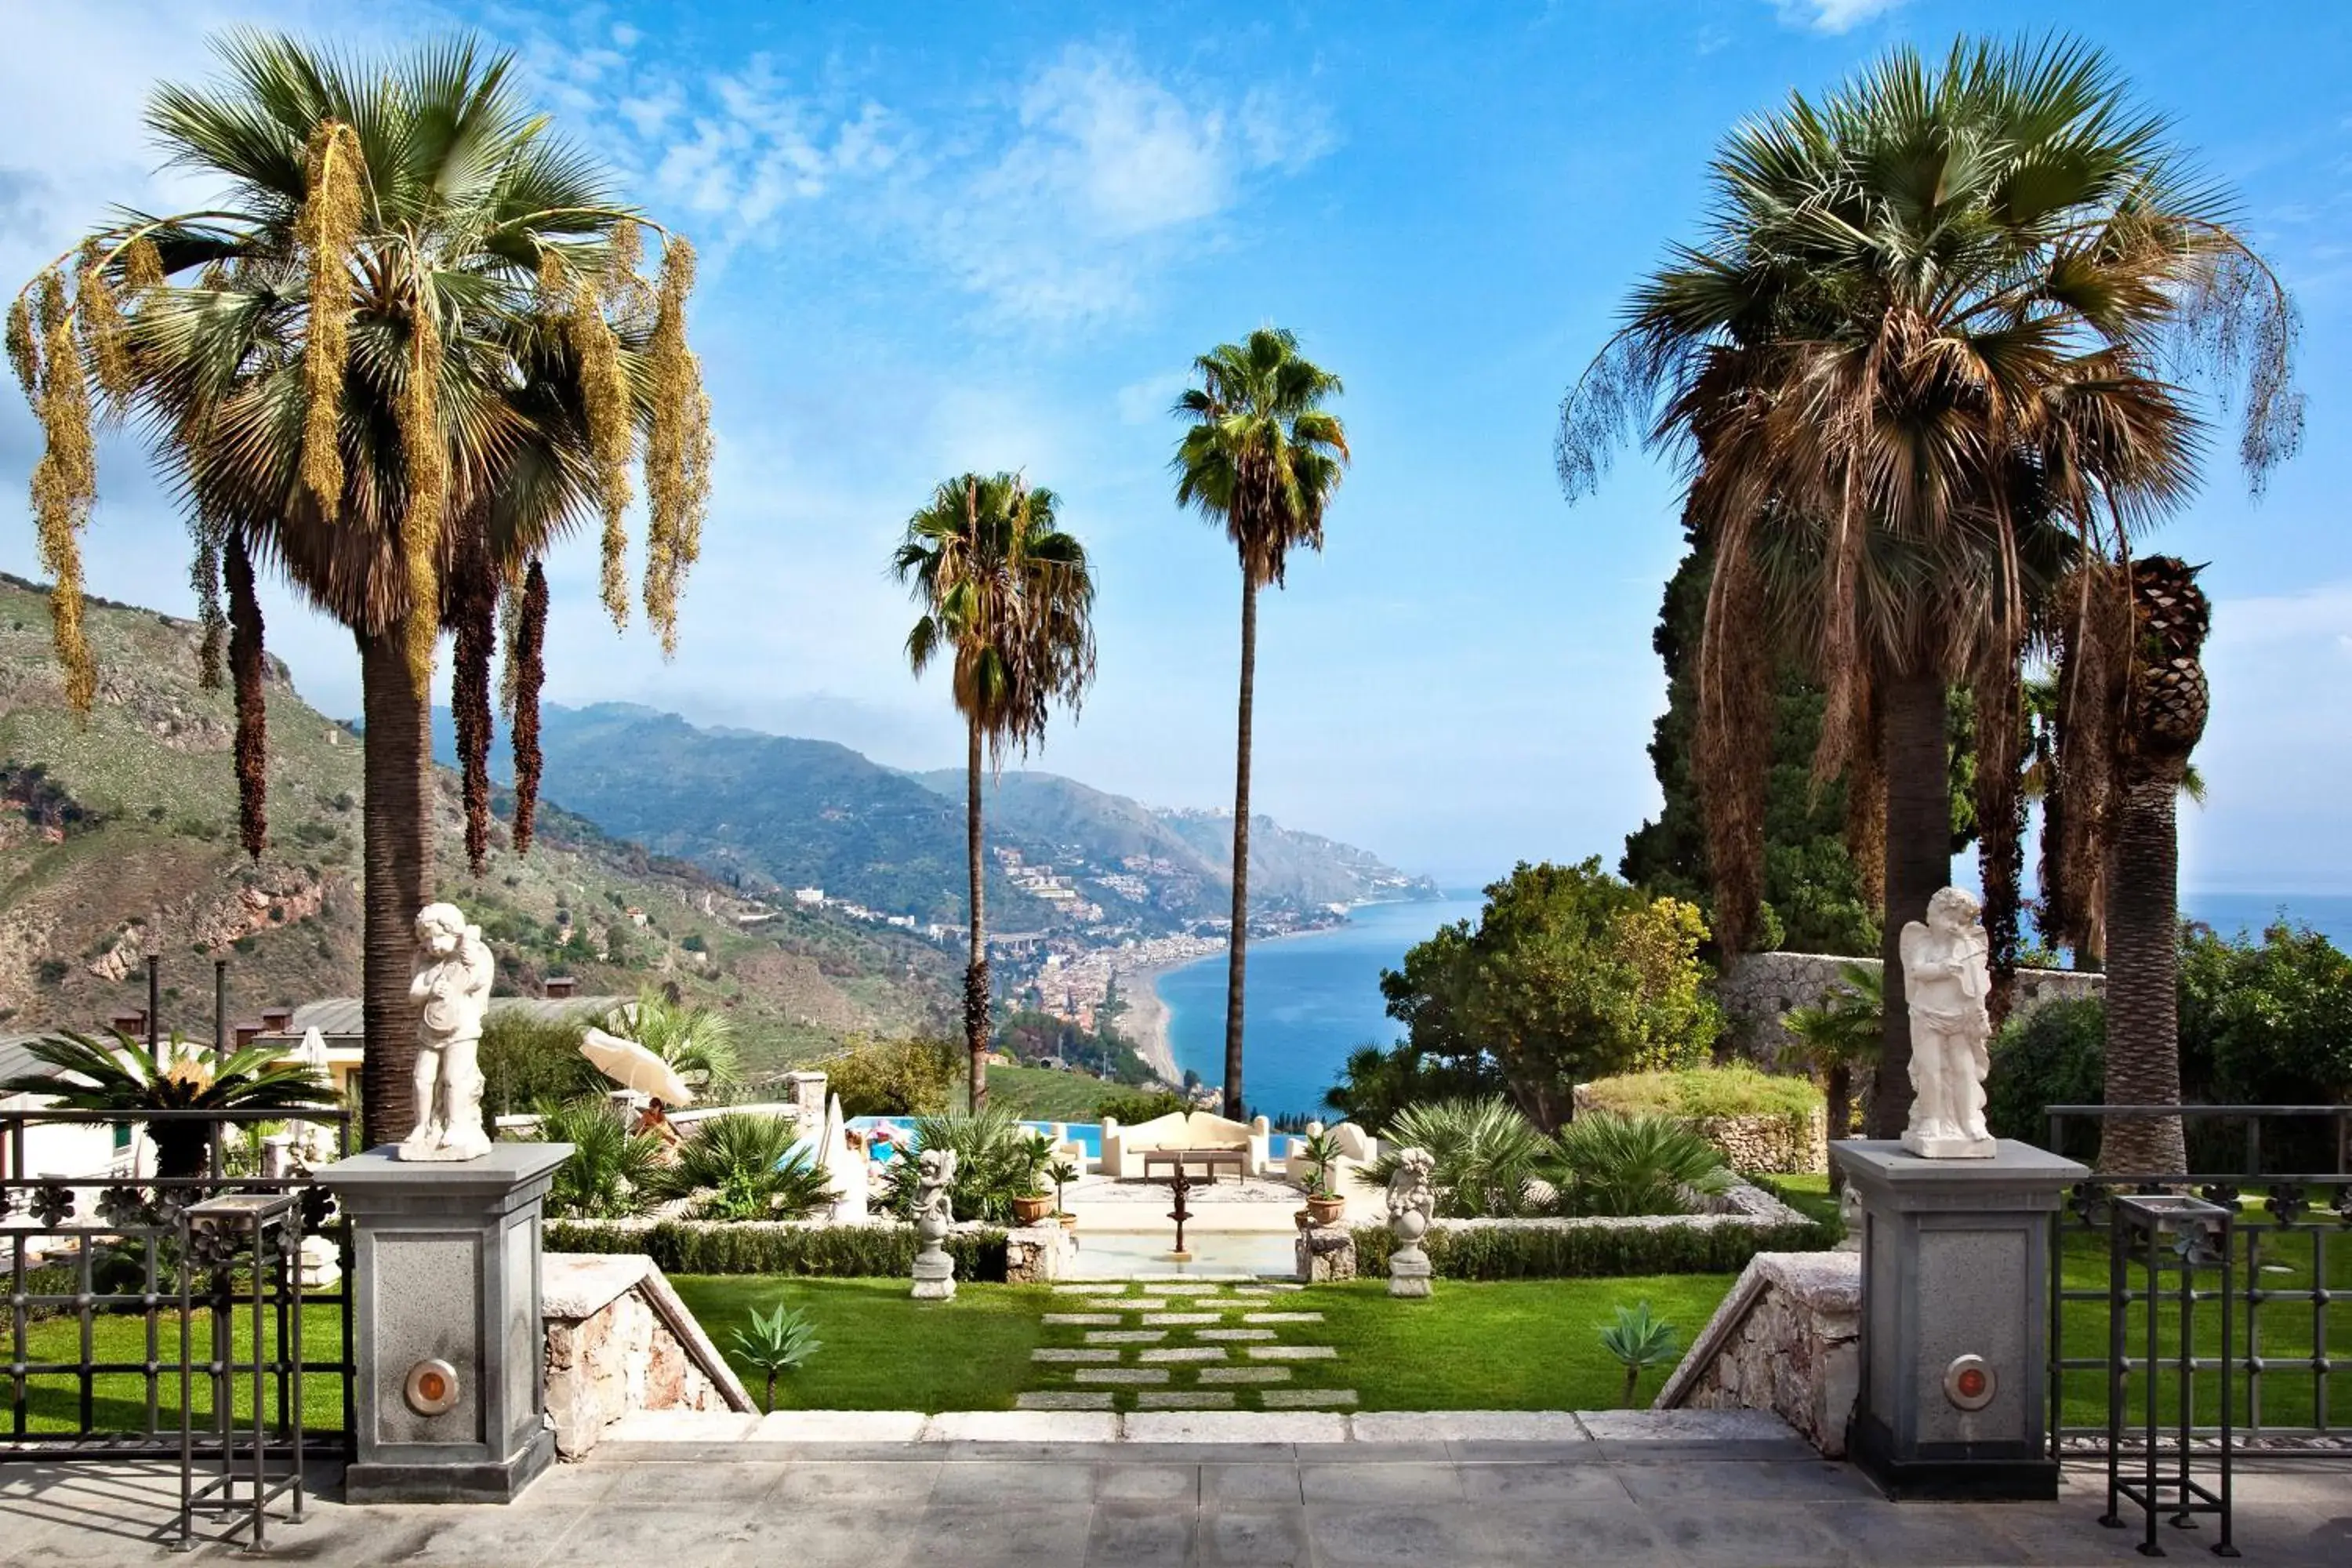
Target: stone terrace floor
(1630,1491)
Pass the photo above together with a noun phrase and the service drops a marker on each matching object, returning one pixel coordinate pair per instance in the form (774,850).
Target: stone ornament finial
(452,986)
(1412,1203)
(1946,981)
(934,1213)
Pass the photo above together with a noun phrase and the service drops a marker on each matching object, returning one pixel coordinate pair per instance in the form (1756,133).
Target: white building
(809,898)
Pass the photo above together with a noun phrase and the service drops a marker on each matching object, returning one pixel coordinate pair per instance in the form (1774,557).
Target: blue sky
(993,236)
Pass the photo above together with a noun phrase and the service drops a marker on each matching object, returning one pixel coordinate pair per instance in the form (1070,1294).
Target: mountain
(769,814)
(118,837)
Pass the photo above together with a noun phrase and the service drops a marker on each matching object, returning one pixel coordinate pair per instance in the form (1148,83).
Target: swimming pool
(1087,1135)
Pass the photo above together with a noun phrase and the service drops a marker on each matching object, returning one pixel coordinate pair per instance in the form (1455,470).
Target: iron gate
(95,1343)
(2289,1333)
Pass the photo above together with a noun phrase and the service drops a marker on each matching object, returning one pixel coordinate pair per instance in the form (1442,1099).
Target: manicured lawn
(119,1400)
(1511,1345)
(884,1349)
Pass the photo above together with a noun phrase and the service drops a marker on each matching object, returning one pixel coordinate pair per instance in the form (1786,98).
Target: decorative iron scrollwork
(126,1207)
(2289,1202)
(53,1203)
(2088,1200)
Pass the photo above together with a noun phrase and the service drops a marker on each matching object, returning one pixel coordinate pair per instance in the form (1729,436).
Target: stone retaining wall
(1786,1340)
(1757,988)
(619,1340)
(1759,1145)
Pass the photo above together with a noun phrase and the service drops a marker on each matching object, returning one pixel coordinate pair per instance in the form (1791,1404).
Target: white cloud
(1831,15)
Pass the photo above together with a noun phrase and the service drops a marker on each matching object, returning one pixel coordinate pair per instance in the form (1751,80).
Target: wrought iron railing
(94,1318)
(2291,1332)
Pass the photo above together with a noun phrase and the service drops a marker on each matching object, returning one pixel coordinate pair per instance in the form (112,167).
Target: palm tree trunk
(976,975)
(1238,967)
(1918,863)
(397,857)
(2143,980)
(1837,1092)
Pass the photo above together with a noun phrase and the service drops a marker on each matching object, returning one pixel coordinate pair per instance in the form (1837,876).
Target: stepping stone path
(1185,1344)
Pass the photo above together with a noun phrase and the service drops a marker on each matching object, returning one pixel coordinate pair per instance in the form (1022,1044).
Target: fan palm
(1836,1034)
(1916,368)
(1484,1153)
(406,348)
(1610,1164)
(697,1042)
(123,1078)
(1260,456)
(749,1167)
(611,1170)
(1008,599)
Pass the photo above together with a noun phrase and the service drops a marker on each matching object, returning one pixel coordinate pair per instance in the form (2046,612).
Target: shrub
(997,1159)
(745,1167)
(778,1340)
(1144,1105)
(1484,1153)
(698,1042)
(1571,1249)
(813,1251)
(1607,1164)
(611,1170)
(893,1078)
(1698,1093)
(2054,1055)
(1637,1340)
(529,1061)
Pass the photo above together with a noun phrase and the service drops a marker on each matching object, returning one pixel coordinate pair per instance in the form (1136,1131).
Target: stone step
(1081,1319)
(1308,1398)
(1228,1334)
(1171,1287)
(1128,1303)
(1098,1357)
(1121,1374)
(1292,1353)
(1065,1399)
(1282,1317)
(1181,1354)
(1083,1289)
(1213,1399)
(1180,1320)
(1134,1336)
(1245,1375)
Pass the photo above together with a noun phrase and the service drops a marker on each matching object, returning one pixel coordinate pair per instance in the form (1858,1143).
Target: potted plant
(1323,1204)
(1061,1173)
(1032,1202)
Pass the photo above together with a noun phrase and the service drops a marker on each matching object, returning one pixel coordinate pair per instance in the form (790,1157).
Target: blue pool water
(1087,1135)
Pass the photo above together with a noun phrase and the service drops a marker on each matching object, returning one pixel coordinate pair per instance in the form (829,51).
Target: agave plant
(745,1166)
(1605,1164)
(123,1078)
(1639,1341)
(1485,1154)
(611,1170)
(778,1341)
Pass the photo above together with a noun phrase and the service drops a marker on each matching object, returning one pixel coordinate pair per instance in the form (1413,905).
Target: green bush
(1143,1105)
(611,1171)
(1590,1251)
(893,1078)
(1620,1165)
(2054,1055)
(1483,1152)
(529,1061)
(1739,1089)
(997,1159)
(748,1168)
(828,1251)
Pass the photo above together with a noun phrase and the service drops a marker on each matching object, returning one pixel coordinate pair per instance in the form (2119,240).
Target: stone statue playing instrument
(452,986)
(1946,983)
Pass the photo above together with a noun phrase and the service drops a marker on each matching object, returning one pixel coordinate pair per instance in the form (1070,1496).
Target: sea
(1314,998)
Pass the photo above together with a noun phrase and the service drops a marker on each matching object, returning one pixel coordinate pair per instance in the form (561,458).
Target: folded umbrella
(632,1065)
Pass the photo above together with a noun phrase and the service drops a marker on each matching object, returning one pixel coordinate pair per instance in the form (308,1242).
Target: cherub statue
(934,1213)
(452,983)
(1412,1200)
(1946,981)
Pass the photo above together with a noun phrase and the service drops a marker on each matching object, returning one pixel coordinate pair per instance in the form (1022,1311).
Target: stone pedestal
(1325,1253)
(1955,1320)
(1409,1272)
(447,1338)
(934,1277)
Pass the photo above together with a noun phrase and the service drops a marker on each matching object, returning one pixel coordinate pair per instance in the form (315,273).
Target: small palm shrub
(1486,1153)
(1639,1341)
(123,1078)
(744,1166)
(778,1341)
(1605,1164)
(697,1042)
(611,1171)
(996,1161)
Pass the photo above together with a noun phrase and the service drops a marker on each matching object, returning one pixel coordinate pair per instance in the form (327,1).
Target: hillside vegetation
(118,839)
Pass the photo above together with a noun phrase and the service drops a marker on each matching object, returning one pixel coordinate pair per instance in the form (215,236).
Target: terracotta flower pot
(1069,1221)
(1029,1211)
(1327,1211)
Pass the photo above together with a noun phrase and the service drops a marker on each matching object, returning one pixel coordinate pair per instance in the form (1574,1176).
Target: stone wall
(1757,988)
(1035,1254)
(1786,1340)
(620,1341)
(1765,1145)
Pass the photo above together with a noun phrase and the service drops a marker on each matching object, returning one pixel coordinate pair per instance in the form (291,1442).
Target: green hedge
(1538,1252)
(825,1251)
(1737,1090)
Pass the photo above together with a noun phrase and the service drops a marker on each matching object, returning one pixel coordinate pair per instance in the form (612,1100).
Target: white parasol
(846,1167)
(632,1065)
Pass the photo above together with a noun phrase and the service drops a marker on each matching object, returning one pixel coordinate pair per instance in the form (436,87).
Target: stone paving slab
(1188,1287)
(1308,1398)
(1081,1319)
(1122,1374)
(1292,1353)
(1125,1336)
(1180,1320)
(1233,1334)
(682,1426)
(835,1427)
(1245,1375)
(1052,1354)
(1181,1354)
(1185,1399)
(1022,1427)
(1129,1304)
(1469,1426)
(1229,1426)
(1063,1399)
(1282,1317)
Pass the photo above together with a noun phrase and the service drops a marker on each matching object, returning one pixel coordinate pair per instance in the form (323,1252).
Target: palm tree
(1917,367)
(1260,455)
(698,1042)
(406,348)
(124,1079)
(1836,1034)
(1008,598)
